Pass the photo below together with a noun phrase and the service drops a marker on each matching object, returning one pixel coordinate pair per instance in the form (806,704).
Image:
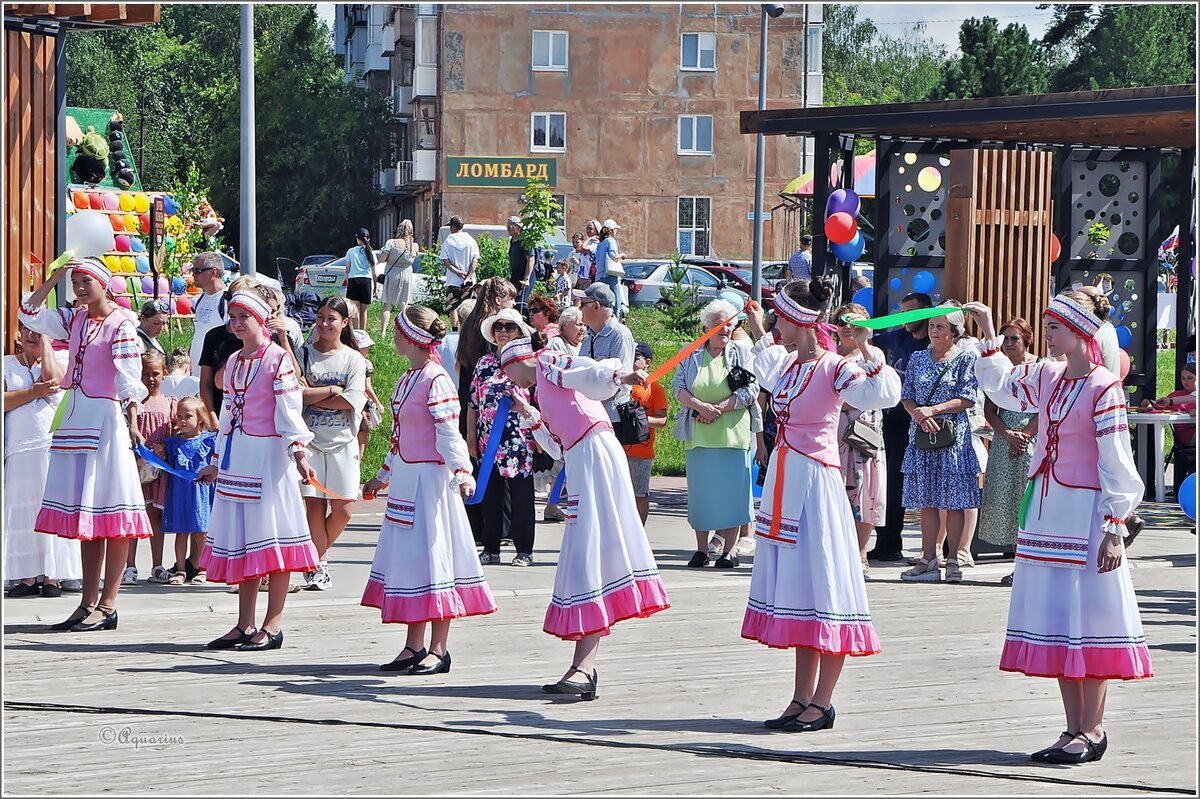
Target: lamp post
(247,237)
(771,10)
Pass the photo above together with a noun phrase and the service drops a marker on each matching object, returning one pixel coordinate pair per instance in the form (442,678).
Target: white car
(649,282)
(330,278)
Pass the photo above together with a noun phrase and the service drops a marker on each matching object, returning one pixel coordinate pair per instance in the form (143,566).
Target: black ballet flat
(1040,755)
(400,664)
(585,691)
(699,560)
(441,667)
(109,622)
(1094,751)
(79,614)
(786,718)
(825,722)
(270,642)
(244,637)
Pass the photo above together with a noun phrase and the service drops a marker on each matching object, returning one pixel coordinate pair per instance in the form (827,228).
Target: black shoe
(244,637)
(699,560)
(270,642)
(50,591)
(189,571)
(79,614)
(23,590)
(441,667)
(885,557)
(825,722)
(1093,751)
(1134,525)
(1040,755)
(400,664)
(727,561)
(585,691)
(108,622)
(786,718)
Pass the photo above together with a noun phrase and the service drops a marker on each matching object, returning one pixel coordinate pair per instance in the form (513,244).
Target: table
(1157,421)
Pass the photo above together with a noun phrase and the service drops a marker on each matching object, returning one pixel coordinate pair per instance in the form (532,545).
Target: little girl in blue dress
(189,504)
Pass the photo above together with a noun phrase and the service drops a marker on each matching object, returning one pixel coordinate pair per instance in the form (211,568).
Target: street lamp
(773,11)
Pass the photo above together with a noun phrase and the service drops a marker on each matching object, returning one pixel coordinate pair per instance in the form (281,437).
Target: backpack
(302,306)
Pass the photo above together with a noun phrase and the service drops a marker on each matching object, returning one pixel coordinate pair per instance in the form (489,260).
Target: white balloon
(89,234)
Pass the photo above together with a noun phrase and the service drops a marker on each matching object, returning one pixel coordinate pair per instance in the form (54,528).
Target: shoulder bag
(864,438)
(611,265)
(945,436)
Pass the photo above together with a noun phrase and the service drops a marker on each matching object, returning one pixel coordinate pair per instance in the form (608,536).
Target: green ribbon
(1026,499)
(62,411)
(904,317)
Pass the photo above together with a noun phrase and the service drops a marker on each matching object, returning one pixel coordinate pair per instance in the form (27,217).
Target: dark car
(736,277)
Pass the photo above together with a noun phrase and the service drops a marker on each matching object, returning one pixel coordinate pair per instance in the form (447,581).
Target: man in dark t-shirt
(520,260)
(218,345)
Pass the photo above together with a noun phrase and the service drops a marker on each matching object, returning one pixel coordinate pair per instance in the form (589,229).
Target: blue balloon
(924,282)
(865,298)
(178,285)
(850,251)
(896,284)
(142,263)
(136,244)
(170,206)
(1124,336)
(1187,496)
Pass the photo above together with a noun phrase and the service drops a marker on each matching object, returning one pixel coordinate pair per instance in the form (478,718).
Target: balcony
(424,166)
(387,181)
(388,47)
(425,81)
(404,21)
(376,61)
(402,101)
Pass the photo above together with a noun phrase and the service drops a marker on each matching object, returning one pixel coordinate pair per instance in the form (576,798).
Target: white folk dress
(425,566)
(1065,619)
(93,490)
(807,588)
(26,462)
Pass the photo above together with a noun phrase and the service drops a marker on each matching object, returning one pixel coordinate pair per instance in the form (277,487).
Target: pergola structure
(971,194)
(35,132)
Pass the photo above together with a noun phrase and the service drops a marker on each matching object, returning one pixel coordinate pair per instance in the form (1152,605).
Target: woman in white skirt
(807,591)
(606,570)
(425,570)
(258,527)
(399,254)
(93,492)
(1074,615)
(31,396)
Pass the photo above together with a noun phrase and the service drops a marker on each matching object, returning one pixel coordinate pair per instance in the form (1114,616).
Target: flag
(1171,243)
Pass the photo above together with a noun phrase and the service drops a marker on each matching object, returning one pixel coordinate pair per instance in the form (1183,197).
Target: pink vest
(1066,442)
(806,407)
(252,406)
(91,367)
(414,432)
(569,414)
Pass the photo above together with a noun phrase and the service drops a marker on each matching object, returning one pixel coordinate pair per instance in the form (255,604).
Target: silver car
(649,283)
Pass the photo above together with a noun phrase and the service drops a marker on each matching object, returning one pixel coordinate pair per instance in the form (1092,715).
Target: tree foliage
(864,66)
(993,62)
(319,138)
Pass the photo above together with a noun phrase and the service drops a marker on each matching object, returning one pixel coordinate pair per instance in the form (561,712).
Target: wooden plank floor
(146,707)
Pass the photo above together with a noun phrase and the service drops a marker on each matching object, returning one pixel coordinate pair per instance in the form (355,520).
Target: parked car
(233,269)
(648,280)
(741,280)
(325,278)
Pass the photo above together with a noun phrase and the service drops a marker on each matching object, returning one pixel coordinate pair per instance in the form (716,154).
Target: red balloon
(183,305)
(840,227)
(1124,356)
(96,201)
(1055,248)
(145,220)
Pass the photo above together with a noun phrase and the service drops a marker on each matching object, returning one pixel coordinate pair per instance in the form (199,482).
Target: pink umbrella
(864,178)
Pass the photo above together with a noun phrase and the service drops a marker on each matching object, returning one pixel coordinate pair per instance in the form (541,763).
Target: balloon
(842,201)
(164,285)
(865,298)
(127,264)
(850,251)
(1124,368)
(924,282)
(125,202)
(896,284)
(147,285)
(136,244)
(117,222)
(141,263)
(135,285)
(132,223)
(178,284)
(170,206)
(95,201)
(117,285)
(89,234)
(1124,336)
(145,220)
(141,203)
(80,199)
(121,243)
(111,202)
(123,301)
(170,242)
(183,305)
(840,227)
(1055,248)
(113,263)
(1187,496)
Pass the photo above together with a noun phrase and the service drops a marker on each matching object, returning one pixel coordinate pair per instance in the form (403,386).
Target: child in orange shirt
(641,456)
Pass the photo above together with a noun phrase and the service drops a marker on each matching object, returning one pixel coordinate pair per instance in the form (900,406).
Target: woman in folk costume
(258,526)
(425,569)
(606,570)
(807,590)
(93,492)
(1073,615)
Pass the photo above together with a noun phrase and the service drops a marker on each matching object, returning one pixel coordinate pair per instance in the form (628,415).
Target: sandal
(200,578)
(177,578)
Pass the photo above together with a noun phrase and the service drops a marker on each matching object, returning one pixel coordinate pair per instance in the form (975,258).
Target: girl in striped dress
(93,492)
(1073,615)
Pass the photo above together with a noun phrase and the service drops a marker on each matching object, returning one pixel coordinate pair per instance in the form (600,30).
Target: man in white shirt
(208,271)
(460,256)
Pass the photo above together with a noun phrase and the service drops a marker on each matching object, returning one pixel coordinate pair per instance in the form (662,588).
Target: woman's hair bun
(821,289)
(437,328)
(1103,306)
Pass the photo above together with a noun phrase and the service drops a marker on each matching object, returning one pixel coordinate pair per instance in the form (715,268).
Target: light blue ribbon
(147,454)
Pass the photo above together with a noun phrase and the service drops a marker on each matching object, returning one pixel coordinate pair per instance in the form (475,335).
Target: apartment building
(628,112)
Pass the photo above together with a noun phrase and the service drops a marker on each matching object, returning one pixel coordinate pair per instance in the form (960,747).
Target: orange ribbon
(315,483)
(679,357)
(777,493)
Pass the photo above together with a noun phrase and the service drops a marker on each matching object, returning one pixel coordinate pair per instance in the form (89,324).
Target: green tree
(993,63)
(537,214)
(864,66)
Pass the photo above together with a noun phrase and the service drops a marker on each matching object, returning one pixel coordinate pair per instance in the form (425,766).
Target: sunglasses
(587,303)
(505,327)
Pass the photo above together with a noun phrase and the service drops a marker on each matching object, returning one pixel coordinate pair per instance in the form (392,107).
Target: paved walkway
(148,708)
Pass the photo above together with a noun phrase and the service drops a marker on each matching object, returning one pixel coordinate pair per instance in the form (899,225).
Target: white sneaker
(160,575)
(129,576)
(320,579)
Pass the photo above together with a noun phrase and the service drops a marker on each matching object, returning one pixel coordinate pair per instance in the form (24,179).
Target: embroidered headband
(253,303)
(794,312)
(415,335)
(519,349)
(94,268)
(1073,315)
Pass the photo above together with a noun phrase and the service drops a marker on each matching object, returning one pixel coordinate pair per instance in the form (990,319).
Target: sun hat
(506,315)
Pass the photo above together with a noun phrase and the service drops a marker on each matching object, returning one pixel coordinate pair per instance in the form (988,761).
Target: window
(704,279)
(549,133)
(814,49)
(693,225)
(698,51)
(550,51)
(426,41)
(695,135)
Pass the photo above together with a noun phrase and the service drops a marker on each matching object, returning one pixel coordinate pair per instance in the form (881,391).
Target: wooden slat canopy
(1152,116)
(89,14)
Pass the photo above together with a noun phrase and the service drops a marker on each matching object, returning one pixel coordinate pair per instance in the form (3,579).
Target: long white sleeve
(127,357)
(1014,388)
(1121,488)
(289,407)
(768,363)
(443,407)
(542,435)
(867,386)
(598,380)
(52,322)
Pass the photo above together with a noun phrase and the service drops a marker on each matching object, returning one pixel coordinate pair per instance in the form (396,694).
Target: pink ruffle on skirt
(641,597)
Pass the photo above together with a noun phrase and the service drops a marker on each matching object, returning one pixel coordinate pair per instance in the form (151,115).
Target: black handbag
(633,426)
(738,378)
(946,434)
(541,461)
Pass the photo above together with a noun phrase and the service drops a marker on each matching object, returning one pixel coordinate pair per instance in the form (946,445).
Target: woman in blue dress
(939,388)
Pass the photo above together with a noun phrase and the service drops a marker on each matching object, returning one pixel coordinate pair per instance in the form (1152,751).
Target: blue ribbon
(488,462)
(556,491)
(147,454)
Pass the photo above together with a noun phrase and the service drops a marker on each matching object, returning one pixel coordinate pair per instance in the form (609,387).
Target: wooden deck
(147,708)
